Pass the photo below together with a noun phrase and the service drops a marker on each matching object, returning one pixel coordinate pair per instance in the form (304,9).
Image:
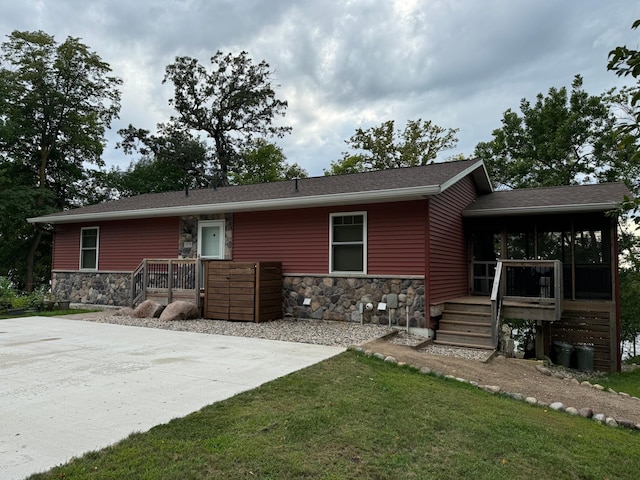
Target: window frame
(83,248)
(364,242)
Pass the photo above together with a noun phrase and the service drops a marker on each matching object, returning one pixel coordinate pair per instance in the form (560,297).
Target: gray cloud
(348,64)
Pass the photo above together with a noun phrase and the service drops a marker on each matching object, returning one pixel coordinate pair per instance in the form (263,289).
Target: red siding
(448,262)
(300,238)
(122,243)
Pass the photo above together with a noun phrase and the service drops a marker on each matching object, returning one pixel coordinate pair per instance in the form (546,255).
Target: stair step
(463,345)
(467,307)
(464,326)
(456,338)
(466,317)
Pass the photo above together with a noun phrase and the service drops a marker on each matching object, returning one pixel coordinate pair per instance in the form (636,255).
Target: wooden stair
(465,324)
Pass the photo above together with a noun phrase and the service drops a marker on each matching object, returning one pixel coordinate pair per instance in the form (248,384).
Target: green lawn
(628,382)
(354,416)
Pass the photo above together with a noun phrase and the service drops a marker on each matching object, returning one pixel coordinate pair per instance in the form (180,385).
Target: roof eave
(377,196)
(480,175)
(539,209)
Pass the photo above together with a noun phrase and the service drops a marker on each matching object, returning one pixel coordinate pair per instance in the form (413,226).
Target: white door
(211,239)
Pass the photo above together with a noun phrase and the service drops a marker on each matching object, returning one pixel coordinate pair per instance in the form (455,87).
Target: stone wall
(339,298)
(98,288)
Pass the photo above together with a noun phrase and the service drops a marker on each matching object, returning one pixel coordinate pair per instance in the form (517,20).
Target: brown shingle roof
(384,185)
(600,197)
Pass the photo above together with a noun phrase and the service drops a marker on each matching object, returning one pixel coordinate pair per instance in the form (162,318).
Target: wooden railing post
(170,281)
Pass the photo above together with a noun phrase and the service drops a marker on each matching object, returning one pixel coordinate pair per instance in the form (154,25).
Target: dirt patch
(516,376)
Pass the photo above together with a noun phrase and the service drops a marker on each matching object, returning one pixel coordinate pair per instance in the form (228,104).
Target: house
(430,241)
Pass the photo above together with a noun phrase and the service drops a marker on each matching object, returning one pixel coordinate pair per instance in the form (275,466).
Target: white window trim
(364,241)
(223,241)
(97,229)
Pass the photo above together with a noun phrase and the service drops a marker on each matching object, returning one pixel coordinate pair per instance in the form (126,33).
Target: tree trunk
(31,259)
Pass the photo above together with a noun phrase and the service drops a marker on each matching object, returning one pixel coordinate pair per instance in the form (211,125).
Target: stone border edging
(557,406)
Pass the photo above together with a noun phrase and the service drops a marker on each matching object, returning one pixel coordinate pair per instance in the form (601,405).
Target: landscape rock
(599,417)
(531,400)
(597,386)
(124,312)
(425,370)
(390,359)
(558,406)
(148,309)
(379,355)
(611,422)
(180,310)
(585,412)
(490,388)
(626,423)
(543,370)
(572,411)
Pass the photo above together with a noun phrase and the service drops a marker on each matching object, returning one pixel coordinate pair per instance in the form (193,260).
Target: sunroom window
(89,248)
(348,237)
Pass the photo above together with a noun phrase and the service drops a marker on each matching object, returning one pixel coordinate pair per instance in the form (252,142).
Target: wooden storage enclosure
(243,291)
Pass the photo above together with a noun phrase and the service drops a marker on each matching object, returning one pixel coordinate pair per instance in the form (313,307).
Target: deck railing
(534,282)
(496,304)
(166,278)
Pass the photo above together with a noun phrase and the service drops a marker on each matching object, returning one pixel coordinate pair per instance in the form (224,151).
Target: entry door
(211,239)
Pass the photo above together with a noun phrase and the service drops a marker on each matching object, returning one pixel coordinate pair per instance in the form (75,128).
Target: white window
(211,239)
(348,239)
(89,248)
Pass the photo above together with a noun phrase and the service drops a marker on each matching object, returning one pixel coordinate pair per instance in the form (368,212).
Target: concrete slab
(69,386)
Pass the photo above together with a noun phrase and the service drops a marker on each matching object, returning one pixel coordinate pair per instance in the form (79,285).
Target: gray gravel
(320,332)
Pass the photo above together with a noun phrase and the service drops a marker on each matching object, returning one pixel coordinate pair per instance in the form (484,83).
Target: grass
(46,313)
(628,382)
(354,416)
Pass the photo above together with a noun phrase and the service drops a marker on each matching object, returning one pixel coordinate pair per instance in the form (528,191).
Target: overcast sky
(348,64)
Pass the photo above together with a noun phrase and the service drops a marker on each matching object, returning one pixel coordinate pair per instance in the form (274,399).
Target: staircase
(466,324)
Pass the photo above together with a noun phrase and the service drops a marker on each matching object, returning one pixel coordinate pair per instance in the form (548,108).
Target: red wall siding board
(448,262)
(300,238)
(122,243)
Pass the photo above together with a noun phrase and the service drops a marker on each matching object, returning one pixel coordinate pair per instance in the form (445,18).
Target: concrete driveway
(69,386)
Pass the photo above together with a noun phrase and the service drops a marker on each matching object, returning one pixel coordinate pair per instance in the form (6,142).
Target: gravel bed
(319,332)
(466,353)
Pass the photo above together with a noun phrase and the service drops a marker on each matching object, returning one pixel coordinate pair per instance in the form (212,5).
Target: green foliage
(561,139)
(56,102)
(630,304)
(262,162)
(385,147)
(233,102)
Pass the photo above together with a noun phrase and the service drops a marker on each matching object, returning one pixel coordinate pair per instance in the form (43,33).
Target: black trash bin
(585,356)
(564,351)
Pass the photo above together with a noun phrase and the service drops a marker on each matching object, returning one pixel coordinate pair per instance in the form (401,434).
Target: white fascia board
(482,177)
(552,209)
(376,196)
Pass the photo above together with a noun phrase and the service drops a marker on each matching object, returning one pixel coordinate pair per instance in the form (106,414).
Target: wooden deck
(466,323)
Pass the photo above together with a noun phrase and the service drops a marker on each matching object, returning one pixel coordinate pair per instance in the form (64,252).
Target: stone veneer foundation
(339,298)
(97,288)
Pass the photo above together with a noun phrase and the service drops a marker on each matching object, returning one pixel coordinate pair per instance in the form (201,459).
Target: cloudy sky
(353,63)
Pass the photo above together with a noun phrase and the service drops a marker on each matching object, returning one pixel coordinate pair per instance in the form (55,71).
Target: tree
(625,62)
(263,162)
(233,103)
(384,147)
(173,159)
(561,139)
(56,101)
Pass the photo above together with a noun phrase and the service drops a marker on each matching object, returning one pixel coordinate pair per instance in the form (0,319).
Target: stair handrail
(496,304)
(139,283)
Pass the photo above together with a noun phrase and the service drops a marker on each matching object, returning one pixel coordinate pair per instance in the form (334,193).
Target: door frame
(212,223)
